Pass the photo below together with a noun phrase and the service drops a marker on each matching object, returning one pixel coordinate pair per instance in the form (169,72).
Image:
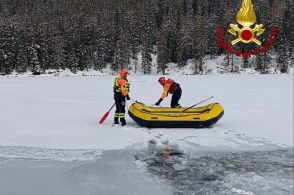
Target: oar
(197,103)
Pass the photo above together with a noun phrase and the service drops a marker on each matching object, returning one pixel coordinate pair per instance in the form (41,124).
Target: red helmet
(123,73)
(162,80)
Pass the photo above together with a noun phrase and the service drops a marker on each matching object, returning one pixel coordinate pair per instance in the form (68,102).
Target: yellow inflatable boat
(163,117)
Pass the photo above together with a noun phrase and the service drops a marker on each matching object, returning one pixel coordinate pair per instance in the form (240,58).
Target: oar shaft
(197,103)
(111,107)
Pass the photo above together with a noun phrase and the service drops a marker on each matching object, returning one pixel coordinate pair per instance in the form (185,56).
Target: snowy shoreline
(172,70)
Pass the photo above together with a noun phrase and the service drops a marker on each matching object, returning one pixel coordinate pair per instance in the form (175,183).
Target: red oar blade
(103,118)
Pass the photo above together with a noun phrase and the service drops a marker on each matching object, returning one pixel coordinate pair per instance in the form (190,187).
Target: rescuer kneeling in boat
(121,93)
(170,86)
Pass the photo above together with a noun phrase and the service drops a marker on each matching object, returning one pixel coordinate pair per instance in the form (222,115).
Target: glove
(158,102)
(128,97)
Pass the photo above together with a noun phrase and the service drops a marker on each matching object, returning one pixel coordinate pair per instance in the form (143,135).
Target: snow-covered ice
(62,112)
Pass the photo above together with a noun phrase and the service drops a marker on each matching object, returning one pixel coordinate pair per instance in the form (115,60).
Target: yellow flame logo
(246,17)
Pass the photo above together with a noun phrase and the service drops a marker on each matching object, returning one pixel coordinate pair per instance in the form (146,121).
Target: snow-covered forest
(38,35)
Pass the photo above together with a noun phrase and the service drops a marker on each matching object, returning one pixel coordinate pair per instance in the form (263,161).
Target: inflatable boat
(163,117)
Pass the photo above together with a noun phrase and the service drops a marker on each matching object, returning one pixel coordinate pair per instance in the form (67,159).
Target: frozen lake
(50,142)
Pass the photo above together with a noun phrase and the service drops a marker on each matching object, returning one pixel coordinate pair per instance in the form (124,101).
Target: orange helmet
(162,80)
(123,73)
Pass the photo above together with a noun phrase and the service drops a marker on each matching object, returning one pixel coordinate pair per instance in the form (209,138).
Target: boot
(116,120)
(123,121)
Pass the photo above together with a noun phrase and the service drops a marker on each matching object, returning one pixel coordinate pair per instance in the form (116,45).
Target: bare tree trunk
(136,63)
(232,61)
(201,65)
(228,59)
(264,62)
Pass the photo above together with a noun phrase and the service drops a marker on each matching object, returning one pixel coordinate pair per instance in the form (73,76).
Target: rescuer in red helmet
(121,93)
(170,86)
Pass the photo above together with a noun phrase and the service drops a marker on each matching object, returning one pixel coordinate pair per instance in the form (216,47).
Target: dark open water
(152,171)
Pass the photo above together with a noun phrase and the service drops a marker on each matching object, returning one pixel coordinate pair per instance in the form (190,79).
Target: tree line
(90,34)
